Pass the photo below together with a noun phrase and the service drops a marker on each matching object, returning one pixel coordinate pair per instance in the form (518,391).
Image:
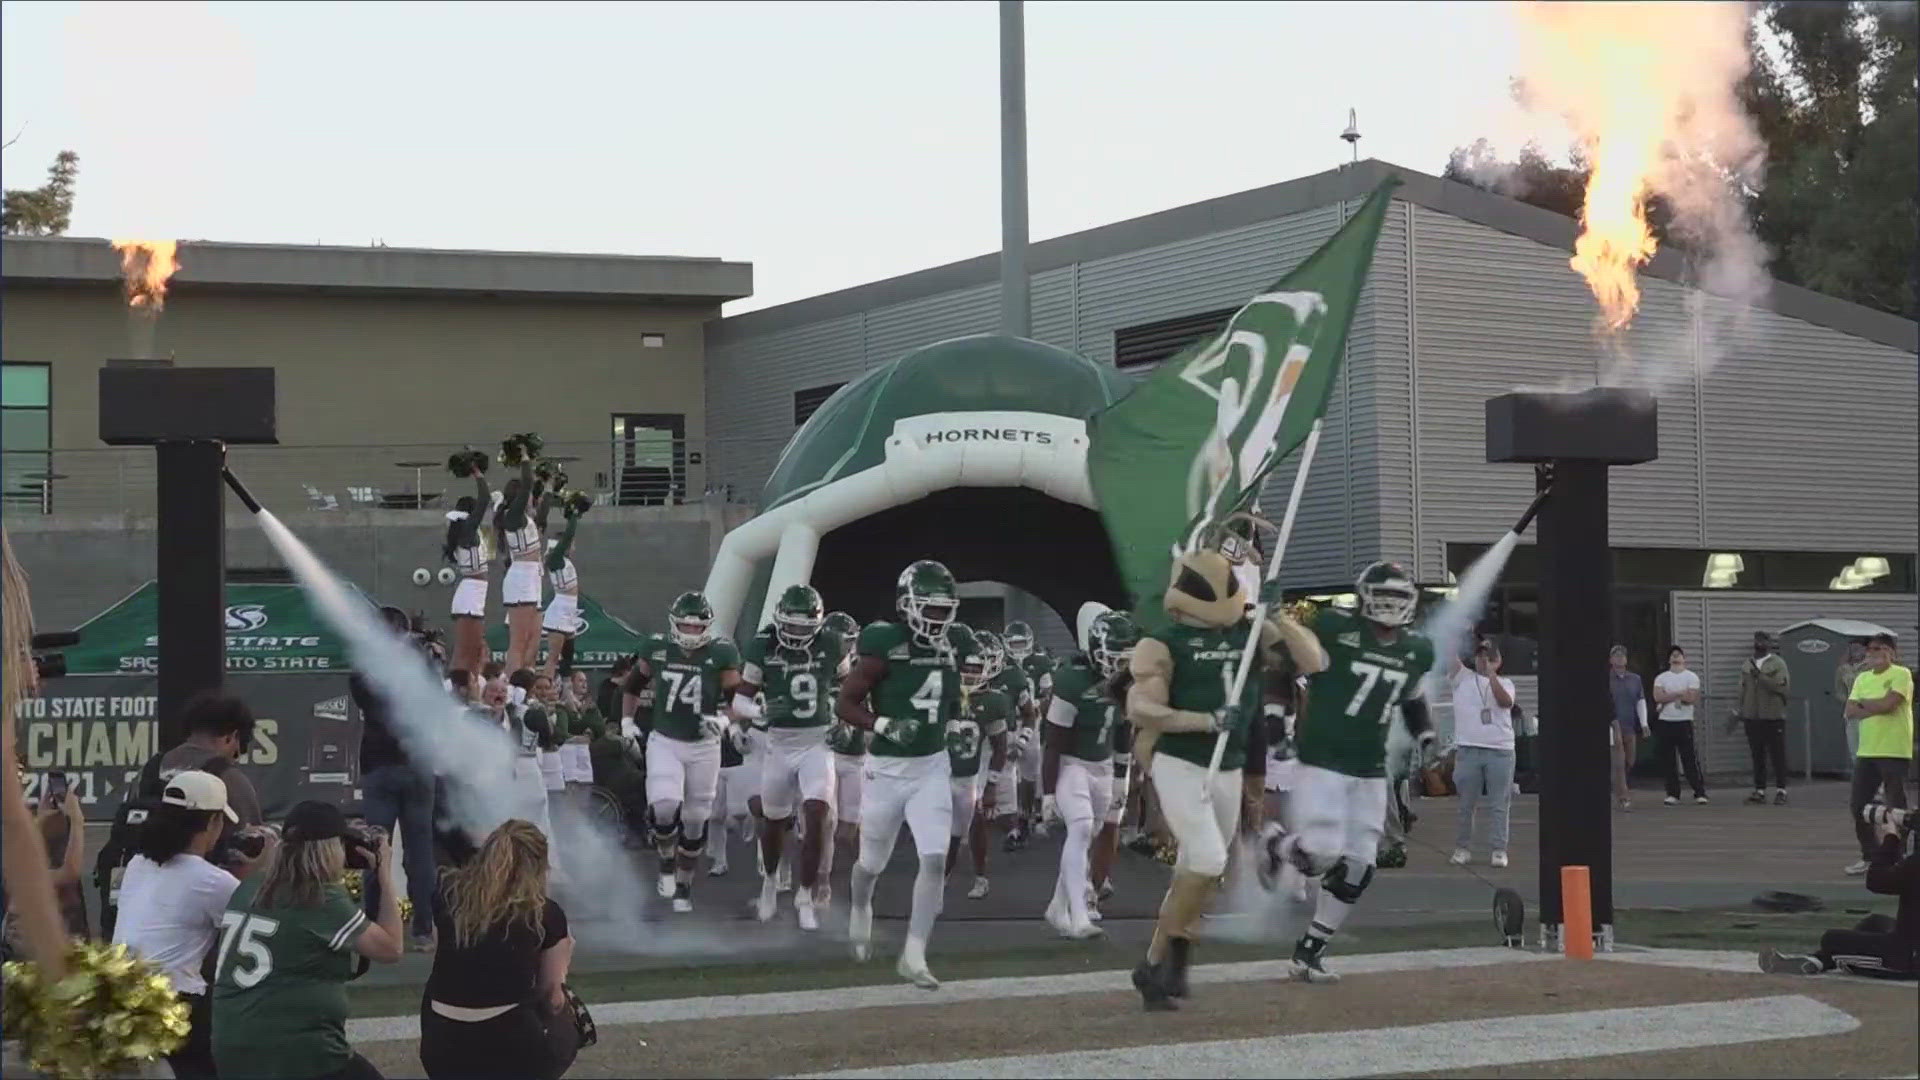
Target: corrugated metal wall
(1716,629)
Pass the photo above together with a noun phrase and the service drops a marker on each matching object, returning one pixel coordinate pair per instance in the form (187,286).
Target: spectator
(172,900)
(280,995)
(583,723)
(1763,712)
(64,830)
(1873,946)
(1629,695)
(1882,701)
(396,792)
(495,1003)
(461,684)
(607,697)
(1483,756)
(1843,676)
(1676,691)
(219,733)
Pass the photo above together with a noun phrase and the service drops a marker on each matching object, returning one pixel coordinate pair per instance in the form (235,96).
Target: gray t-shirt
(240,794)
(1628,692)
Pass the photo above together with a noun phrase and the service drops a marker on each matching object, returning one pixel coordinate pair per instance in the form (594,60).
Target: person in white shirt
(172,898)
(1676,691)
(1483,756)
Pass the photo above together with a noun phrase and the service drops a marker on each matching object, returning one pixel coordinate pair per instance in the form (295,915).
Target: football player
(1023,780)
(849,746)
(982,724)
(1371,672)
(1076,773)
(905,689)
(794,660)
(691,671)
(1183,677)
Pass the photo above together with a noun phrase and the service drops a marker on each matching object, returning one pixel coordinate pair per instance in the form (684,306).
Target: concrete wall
(633,559)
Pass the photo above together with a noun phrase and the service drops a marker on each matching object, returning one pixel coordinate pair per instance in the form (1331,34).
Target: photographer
(397,793)
(1882,702)
(495,1004)
(280,995)
(172,900)
(1873,947)
(64,830)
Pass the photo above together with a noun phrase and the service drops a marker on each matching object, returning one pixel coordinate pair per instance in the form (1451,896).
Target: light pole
(1016,312)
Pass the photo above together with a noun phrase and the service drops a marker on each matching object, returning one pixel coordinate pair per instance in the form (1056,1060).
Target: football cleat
(1309,969)
(917,974)
(1082,931)
(783,877)
(803,906)
(768,902)
(860,932)
(664,883)
(1106,890)
(683,898)
(718,868)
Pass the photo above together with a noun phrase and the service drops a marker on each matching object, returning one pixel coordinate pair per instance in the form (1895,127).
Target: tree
(46,210)
(1837,110)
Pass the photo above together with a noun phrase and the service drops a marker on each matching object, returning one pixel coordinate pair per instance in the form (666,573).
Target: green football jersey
(686,686)
(280,986)
(1351,704)
(1019,689)
(1094,714)
(1204,664)
(844,738)
(920,682)
(798,683)
(984,714)
(1038,669)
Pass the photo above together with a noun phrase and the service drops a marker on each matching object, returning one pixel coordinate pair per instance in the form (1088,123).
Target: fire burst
(147,266)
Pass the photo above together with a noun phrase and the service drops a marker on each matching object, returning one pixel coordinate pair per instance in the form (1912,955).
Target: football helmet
(967,656)
(1387,594)
(1018,640)
(843,624)
(994,650)
(928,599)
(798,616)
(690,620)
(1110,642)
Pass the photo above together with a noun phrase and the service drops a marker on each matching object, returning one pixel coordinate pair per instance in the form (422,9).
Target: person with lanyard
(1483,762)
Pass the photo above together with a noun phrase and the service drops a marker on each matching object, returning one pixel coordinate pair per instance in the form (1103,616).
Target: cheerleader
(562,619)
(466,551)
(519,539)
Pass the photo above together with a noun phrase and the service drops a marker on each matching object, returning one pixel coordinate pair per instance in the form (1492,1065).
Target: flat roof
(1280,200)
(399,271)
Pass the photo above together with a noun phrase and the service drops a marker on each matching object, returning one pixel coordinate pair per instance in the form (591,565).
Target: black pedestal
(192,564)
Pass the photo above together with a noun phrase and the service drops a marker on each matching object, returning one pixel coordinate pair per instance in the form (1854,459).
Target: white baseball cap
(196,790)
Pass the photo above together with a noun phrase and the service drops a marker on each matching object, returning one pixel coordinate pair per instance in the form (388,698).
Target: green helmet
(1110,642)
(798,616)
(927,598)
(1387,594)
(690,620)
(842,624)
(1019,641)
(967,656)
(994,650)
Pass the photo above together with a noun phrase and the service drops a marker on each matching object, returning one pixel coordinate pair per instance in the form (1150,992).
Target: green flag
(1193,443)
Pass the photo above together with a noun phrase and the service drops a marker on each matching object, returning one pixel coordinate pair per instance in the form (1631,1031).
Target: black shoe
(1016,839)
(1179,954)
(1148,978)
(1758,798)
(1779,796)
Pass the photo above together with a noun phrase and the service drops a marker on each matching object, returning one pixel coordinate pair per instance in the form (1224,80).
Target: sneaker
(1699,800)
(1147,978)
(1499,860)
(1779,796)
(803,906)
(1759,797)
(718,868)
(664,883)
(683,898)
(1671,800)
(1105,892)
(979,890)
(1855,869)
(1461,857)
(421,943)
(1626,806)
(1775,962)
(1308,969)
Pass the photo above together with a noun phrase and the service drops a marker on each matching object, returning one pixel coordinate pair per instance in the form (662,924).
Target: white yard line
(1464,1044)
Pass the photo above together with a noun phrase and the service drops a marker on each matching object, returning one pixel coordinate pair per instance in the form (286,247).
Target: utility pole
(1016,309)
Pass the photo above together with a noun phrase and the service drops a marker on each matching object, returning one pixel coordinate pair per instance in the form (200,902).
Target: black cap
(314,820)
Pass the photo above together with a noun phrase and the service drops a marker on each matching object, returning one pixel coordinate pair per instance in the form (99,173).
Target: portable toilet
(1816,720)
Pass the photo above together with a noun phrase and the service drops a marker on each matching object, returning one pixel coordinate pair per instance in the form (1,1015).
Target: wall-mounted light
(1723,570)
(1872,566)
(1850,579)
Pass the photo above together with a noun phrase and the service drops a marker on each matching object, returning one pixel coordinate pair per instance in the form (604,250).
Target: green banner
(270,628)
(603,638)
(1193,443)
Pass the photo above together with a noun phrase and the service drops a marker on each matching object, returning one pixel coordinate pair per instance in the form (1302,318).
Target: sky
(828,144)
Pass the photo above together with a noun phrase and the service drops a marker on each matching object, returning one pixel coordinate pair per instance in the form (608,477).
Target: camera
(1880,814)
(48,664)
(362,841)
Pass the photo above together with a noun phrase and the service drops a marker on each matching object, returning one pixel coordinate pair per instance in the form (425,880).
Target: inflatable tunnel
(970,451)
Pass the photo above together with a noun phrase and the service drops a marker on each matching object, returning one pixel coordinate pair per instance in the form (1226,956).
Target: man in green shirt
(905,688)
(1881,699)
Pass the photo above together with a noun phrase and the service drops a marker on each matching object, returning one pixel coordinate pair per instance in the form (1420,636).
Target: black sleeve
(1415,714)
(1890,875)
(553,925)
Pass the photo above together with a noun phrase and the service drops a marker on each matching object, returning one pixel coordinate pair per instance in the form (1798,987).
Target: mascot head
(1203,591)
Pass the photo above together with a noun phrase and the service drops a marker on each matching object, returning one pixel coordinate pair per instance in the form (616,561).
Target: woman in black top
(497,984)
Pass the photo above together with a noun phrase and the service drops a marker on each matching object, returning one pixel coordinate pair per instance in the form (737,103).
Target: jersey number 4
(255,961)
(1371,674)
(928,698)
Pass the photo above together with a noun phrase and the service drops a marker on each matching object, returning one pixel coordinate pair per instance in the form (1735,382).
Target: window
(1145,345)
(1748,570)
(26,423)
(808,402)
(653,341)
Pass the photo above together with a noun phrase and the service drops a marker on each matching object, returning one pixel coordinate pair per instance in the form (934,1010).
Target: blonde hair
(300,872)
(504,884)
(18,612)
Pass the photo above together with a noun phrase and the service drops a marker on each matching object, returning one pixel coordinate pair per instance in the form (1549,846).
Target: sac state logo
(245,618)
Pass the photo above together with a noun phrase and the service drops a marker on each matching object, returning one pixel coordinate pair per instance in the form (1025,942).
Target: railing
(117,481)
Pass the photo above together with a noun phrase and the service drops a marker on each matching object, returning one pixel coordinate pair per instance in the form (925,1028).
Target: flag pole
(1260,607)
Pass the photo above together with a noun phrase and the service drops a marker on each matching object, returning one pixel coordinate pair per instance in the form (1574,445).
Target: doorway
(649,459)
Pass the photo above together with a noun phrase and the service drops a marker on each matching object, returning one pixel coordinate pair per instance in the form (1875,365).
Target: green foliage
(1834,99)
(46,210)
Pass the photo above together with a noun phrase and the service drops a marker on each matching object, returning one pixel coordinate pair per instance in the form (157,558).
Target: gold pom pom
(112,1013)
(356,887)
